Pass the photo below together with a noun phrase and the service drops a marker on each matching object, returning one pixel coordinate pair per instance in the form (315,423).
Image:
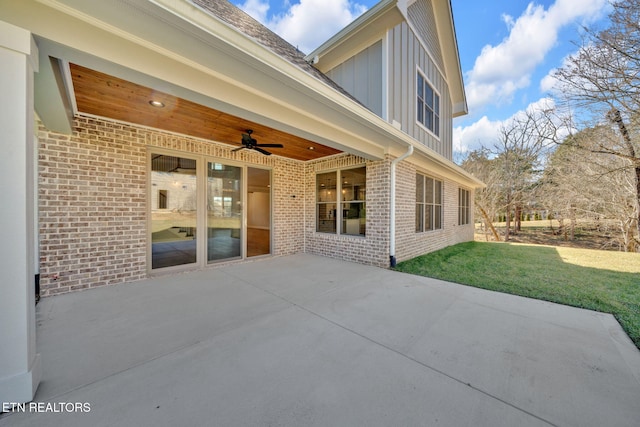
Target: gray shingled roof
(232,15)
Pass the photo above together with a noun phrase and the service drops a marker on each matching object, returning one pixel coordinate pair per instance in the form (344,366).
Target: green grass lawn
(597,280)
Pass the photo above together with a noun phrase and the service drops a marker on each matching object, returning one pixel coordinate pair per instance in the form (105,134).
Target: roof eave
(453,67)
(358,35)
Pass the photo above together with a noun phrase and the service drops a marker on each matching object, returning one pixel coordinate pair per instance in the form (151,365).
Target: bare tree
(580,182)
(512,166)
(480,164)
(519,154)
(602,83)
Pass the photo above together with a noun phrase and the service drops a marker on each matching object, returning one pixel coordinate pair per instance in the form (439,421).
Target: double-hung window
(428,108)
(428,203)
(463,206)
(340,202)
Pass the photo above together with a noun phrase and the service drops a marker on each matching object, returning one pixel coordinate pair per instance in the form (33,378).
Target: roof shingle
(237,18)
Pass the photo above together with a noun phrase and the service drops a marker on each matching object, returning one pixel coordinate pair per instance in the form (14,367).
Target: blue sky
(508,48)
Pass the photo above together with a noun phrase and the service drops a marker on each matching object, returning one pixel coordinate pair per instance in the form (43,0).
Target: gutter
(392,206)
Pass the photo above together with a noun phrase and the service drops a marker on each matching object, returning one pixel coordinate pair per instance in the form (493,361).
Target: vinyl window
(428,203)
(428,105)
(341,202)
(463,206)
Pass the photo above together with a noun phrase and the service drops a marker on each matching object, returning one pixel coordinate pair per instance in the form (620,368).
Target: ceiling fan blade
(237,149)
(270,145)
(265,152)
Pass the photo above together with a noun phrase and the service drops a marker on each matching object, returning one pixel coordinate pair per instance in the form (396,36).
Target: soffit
(103,95)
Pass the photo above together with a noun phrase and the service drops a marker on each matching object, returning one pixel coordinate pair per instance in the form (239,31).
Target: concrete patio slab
(310,341)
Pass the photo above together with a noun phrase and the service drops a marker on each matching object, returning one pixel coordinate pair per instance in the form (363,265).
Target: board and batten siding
(406,55)
(423,20)
(361,76)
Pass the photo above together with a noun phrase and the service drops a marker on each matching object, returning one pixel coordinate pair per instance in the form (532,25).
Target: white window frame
(339,202)
(464,206)
(433,205)
(420,101)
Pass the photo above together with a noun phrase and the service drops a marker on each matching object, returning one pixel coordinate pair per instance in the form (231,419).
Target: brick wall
(373,248)
(92,201)
(410,244)
(93,205)
(288,207)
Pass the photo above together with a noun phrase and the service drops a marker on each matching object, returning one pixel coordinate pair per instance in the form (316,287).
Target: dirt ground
(587,235)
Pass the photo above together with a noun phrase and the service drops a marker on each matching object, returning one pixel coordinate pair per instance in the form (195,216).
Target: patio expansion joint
(398,352)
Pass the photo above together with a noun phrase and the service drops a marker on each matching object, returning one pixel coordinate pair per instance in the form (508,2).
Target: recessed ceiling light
(312,148)
(157,104)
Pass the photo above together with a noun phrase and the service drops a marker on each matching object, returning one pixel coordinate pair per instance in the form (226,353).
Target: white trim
(338,201)
(272,212)
(468,207)
(343,41)
(68,84)
(424,203)
(415,95)
(386,86)
(328,117)
(392,205)
(427,51)
(20,364)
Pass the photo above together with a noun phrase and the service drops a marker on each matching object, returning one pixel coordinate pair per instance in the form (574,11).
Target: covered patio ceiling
(104,95)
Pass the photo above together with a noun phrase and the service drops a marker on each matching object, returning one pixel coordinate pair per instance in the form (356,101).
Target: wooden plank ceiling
(107,96)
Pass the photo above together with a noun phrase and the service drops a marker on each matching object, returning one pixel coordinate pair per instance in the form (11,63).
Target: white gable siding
(406,56)
(361,76)
(423,20)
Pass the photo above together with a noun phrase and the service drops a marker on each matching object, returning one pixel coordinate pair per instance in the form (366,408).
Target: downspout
(392,207)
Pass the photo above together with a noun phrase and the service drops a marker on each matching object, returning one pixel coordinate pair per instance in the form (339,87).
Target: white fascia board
(268,89)
(430,160)
(449,46)
(445,168)
(236,71)
(365,30)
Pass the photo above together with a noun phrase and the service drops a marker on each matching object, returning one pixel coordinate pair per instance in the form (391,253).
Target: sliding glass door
(174,205)
(258,212)
(224,211)
(204,211)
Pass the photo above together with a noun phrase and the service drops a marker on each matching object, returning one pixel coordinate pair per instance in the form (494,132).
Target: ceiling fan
(251,144)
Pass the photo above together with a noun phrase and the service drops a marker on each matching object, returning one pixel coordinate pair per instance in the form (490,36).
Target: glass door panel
(258,212)
(173,211)
(224,211)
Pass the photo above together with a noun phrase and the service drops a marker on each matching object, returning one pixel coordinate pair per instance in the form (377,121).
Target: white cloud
(485,132)
(549,82)
(256,9)
(503,69)
(312,22)
(309,23)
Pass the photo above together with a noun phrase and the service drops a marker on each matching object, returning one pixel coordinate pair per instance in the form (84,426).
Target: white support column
(19,363)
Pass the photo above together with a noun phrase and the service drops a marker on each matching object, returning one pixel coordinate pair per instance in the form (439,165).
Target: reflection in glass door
(173,211)
(258,212)
(224,211)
